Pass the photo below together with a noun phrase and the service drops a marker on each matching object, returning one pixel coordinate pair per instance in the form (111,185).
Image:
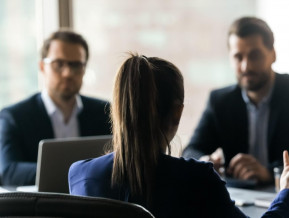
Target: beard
(260,80)
(67,96)
(67,90)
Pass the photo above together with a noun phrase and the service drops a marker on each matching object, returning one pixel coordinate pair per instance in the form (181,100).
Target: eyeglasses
(58,65)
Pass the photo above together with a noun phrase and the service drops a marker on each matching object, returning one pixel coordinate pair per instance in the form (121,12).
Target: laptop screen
(55,156)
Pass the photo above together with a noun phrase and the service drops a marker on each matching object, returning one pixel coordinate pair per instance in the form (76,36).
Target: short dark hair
(247,26)
(65,36)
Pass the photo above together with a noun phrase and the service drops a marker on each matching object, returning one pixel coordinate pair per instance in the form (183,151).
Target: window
(191,34)
(18,51)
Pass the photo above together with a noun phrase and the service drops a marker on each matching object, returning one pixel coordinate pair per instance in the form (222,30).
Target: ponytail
(138,119)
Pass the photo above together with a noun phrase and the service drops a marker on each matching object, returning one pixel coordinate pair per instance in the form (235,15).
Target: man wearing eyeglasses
(59,111)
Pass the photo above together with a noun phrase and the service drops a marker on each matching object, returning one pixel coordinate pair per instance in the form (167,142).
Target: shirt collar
(51,106)
(265,99)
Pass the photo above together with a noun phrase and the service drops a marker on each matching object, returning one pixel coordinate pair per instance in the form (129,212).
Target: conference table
(253,211)
(255,202)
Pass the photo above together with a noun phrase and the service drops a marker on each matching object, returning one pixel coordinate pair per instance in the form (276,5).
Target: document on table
(28,188)
(243,197)
(3,190)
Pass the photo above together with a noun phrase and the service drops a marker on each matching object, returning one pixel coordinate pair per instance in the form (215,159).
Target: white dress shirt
(258,118)
(60,128)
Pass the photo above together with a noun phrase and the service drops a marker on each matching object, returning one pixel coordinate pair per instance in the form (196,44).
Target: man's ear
(274,55)
(41,66)
(178,113)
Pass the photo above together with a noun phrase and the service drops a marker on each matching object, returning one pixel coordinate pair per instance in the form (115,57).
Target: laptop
(55,156)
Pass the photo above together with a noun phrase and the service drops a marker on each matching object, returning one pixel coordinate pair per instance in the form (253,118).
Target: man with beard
(249,121)
(59,111)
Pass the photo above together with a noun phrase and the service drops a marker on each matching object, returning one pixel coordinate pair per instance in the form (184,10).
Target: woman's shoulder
(186,167)
(102,159)
(86,176)
(185,162)
(88,166)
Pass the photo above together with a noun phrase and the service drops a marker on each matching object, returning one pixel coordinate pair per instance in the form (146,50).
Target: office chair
(44,204)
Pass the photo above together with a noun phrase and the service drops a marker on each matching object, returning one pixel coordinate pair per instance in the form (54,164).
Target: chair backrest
(40,204)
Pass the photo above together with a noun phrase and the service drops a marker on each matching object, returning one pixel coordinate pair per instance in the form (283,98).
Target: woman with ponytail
(146,109)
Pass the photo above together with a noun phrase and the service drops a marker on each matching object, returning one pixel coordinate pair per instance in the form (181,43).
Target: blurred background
(190,33)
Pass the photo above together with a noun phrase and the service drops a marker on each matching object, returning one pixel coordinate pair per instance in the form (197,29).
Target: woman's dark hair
(145,92)
(247,26)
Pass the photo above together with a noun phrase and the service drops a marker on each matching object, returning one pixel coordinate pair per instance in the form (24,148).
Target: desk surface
(253,211)
(248,197)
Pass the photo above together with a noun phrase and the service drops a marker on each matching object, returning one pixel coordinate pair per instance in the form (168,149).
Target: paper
(3,190)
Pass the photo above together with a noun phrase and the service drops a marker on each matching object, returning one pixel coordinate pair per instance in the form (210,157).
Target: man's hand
(284,180)
(245,166)
(217,158)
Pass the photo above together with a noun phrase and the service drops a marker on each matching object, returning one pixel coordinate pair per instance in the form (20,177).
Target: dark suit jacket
(24,124)
(224,123)
(183,188)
